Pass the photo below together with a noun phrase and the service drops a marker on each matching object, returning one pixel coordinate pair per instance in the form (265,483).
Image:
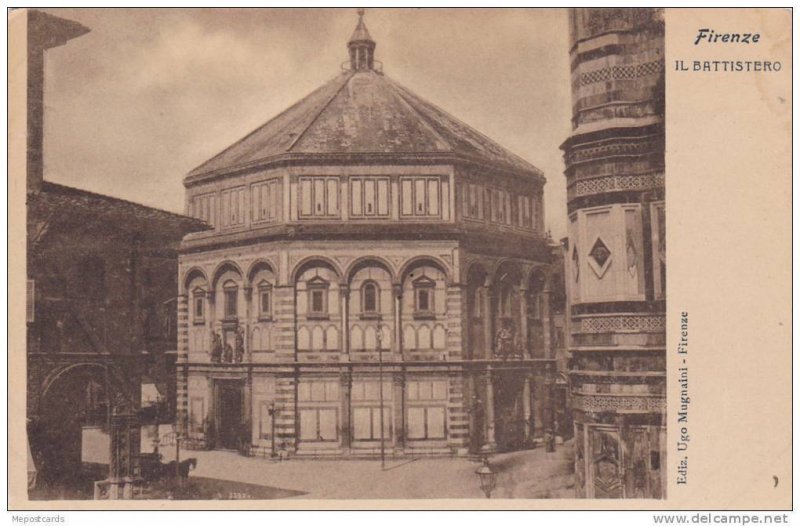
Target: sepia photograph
(364,276)
(337,254)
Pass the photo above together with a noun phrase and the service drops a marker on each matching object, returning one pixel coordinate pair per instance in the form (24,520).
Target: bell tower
(616,252)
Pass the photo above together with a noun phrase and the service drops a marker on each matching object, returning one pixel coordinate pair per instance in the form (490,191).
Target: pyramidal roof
(363,112)
(361,34)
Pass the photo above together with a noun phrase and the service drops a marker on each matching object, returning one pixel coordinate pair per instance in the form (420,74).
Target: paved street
(522,474)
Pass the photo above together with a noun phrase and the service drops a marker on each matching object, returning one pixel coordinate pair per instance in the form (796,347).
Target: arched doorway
(73,398)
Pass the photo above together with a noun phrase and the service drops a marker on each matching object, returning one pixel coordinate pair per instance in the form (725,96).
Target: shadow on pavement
(400,465)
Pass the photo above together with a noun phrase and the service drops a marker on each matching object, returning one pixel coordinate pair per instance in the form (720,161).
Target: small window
(423,296)
(423,300)
(230,290)
(370,298)
(317,302)
(198,305)
(264,300)
(317,298)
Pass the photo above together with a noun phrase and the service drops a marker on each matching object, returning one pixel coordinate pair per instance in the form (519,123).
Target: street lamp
(273,412)
(379,341)
(487,477)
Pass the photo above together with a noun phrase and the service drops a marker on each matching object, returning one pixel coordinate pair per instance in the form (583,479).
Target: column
(212,310)
(490,446)
(248,300)
(210,419)
(344,408)
(397,290)
(344,311)
(523,322)
(247,401)
(486,312)
(548,352)
(398,424)
(548,412)
(526,409)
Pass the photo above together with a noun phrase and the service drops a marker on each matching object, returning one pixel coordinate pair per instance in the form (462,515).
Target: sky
(149,94)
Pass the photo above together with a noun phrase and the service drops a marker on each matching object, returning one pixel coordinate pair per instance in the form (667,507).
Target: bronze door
(229,406)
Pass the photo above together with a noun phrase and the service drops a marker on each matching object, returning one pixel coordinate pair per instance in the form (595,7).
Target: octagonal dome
(361,116)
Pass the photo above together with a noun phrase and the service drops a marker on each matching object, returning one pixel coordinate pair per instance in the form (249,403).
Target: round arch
(222,268)
(476,269)
(364,261)
(73,396)
(193,273)
(51,379)
(538,278)
(309,262)
(257,265)
(507,269)
(419,261)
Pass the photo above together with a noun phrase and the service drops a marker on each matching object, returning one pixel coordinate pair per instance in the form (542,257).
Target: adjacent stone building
(615,252)
(365,238)
(101,314)
(101,299)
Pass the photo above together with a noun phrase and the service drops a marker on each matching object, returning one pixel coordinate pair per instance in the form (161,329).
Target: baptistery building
(376,278)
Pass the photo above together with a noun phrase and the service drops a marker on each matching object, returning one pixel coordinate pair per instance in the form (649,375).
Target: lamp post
(272,414)
(379,339)
(487,478)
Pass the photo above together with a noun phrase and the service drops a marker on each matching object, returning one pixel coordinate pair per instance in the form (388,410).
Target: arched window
(231,294)
(370,298)
(264,300)
(198,305)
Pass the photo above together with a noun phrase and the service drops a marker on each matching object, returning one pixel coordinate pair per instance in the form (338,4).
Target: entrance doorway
(509,416)
(229,413)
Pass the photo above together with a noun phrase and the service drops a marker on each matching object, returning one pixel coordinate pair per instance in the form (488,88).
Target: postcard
(400,258)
